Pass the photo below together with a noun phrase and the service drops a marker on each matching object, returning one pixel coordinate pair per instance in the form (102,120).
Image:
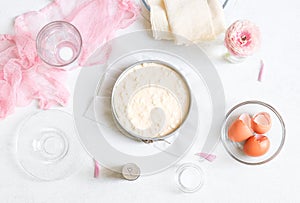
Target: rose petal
(261,70)
(96,169)
(209,157)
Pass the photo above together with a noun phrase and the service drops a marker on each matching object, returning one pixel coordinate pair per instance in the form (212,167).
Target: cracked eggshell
(256,145)
(261,122)
(240,130)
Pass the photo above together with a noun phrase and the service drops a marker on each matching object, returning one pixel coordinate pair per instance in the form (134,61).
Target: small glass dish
(47,147)
(276,134)
(189,177)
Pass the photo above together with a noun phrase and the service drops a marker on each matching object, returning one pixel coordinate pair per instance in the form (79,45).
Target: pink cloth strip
(24,77)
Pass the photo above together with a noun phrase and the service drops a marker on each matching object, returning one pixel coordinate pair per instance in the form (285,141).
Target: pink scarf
(24,77)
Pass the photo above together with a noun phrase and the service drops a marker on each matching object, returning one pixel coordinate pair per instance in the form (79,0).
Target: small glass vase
(234,58)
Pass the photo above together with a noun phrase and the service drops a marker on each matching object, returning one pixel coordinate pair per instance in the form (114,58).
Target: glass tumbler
(58,43)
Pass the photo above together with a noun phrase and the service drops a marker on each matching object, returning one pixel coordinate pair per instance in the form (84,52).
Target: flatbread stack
(186,21)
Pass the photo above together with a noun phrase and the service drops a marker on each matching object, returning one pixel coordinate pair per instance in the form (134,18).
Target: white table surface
(226,180)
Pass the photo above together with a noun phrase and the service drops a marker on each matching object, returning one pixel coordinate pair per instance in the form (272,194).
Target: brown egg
(240,129)
(261,122)
(256,145)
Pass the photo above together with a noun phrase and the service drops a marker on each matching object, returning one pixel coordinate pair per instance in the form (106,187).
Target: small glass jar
(189,177)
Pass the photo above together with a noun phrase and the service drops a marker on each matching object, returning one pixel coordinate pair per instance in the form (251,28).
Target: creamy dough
(151,100)
(142,105)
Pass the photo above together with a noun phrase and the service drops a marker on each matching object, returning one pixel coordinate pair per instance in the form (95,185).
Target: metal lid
(131,171)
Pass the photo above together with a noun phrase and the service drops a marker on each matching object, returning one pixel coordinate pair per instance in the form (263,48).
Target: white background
(226,180)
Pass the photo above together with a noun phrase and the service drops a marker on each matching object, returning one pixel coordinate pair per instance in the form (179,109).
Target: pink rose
(242,38)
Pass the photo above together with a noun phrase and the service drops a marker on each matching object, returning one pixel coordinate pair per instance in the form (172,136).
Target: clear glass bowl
(276,134)
(47,146)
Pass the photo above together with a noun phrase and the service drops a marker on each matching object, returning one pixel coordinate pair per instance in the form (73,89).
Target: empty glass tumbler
(58,43)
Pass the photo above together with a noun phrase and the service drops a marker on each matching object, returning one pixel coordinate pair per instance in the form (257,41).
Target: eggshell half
(240,129)
(256,145)
(261,122)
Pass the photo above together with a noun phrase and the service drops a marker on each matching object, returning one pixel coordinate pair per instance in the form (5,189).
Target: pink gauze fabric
(24,77)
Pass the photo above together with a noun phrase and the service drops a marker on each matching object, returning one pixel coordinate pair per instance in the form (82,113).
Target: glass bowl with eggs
(253,132)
